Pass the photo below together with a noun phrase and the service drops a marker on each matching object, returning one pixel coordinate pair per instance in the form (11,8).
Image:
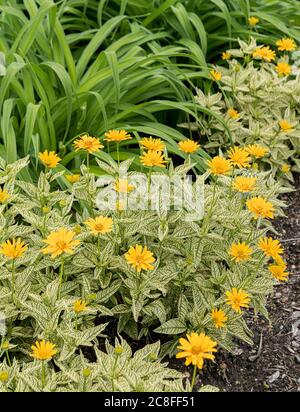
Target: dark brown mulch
(277,364)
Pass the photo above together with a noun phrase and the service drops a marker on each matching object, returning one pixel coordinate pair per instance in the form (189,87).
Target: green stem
(76,321)
(43,374)
(149,186)
(113,374)
(193,378)
(8,358)
(13,279)
(61,275)
(118,154)
(99,245)
(84,385)
(88,161)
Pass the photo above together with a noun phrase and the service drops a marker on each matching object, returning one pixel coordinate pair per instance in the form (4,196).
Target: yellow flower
(278,272)
(240,251)
(270,247)
(13,248)
(253,21)
(188,146)
(50,159)
(122,186)
(79,306)
(219,166)
(285,168)
(140,258)
(73,178)
(238,157)
(219,318)
(278,259)
(196,348)
(117,136)
(153,158)
(101,224)
(232,113)
(286,44)
(4,375)
(244,184)
(3,195)
(215,75)
(285,126)
(256,150)
(60,241)
(152,144)
(283,68)
(260,207)
(88,143)
(237,299)
(43,350)
(264,53)
(226,55)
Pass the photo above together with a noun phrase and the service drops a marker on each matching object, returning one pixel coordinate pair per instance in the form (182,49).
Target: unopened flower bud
(86,372)
(4,376)
(119,350)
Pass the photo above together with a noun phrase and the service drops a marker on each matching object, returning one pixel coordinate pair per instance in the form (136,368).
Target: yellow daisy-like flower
(286,44)
(270,247)
(239,157)
(278,259)
(122,186)
(278,272)
(285,168)
(226,55)
(253,21)
(215,75)
(13,248)
(88,143)
(219,318)
(244,184)
(240,252)
(117,136)
(237,299)
(196,348)
(50,159)
(256,150)
(153,158)
(283,68)
(219,166)
(60,241)
(260,207)
(285,126)
(43,350)
(3,195)
(232,113)
(73,178)
(188,146)
(152,144)
(140,258)
(264,53)
(101,224)
(79,306)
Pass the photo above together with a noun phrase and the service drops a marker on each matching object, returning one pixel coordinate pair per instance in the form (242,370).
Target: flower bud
(119,350)
(86,372)
(4,376)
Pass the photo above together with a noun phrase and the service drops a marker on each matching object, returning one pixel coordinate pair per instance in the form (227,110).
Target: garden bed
(273,363)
